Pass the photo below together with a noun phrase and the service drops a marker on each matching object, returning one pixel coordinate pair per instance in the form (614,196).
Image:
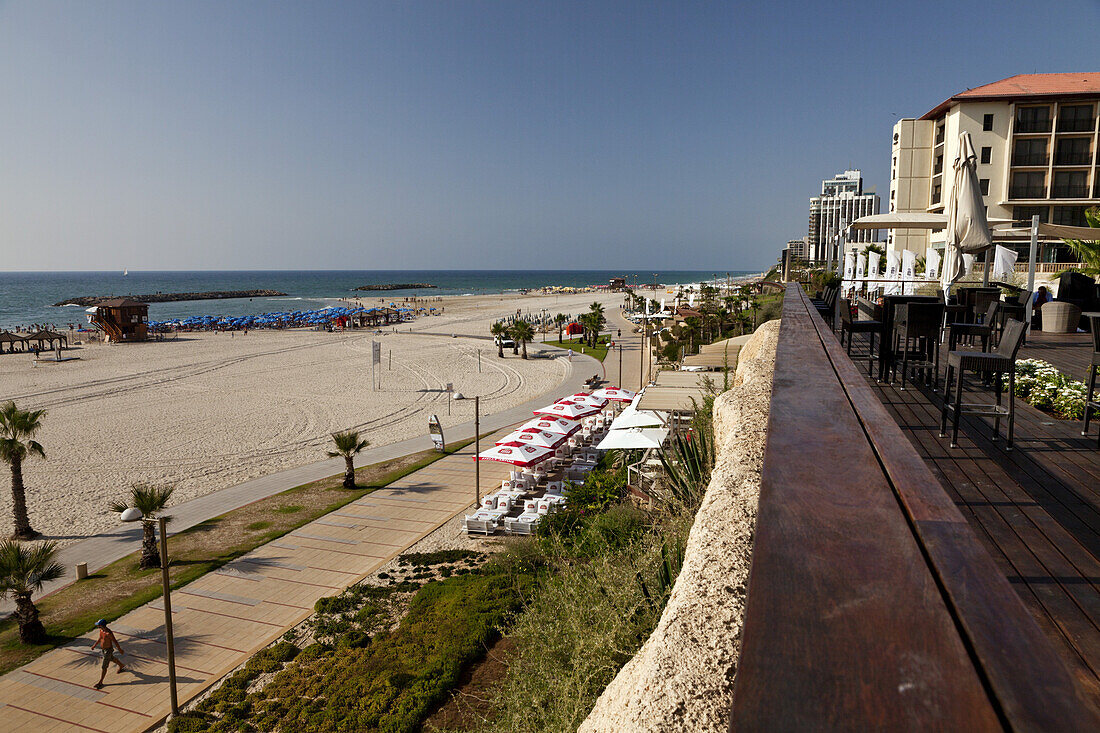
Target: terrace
(898,582)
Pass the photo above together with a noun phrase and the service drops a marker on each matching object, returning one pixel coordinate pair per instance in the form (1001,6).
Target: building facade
(841,202)
(1036,140)
(798,249)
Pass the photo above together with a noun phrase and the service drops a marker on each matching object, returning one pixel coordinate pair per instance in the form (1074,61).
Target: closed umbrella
(968,230)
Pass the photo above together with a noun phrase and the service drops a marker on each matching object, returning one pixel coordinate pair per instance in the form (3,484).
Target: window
(938,167)
(1028,185)
(940,134)
(987,155)
(987,123)
(936,194)
(894,169)
(1075,118)
(1073,151)
(1070,185)
(1033,119)
(983,184)
(1073,216)
(1023,214)
(1029,151)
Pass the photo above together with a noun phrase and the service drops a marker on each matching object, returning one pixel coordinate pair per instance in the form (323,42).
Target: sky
(470,135)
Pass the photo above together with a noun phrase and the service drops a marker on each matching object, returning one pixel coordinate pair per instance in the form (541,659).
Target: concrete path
(103,549)
(224,617)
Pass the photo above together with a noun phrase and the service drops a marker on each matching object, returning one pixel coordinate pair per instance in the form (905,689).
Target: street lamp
(134,514)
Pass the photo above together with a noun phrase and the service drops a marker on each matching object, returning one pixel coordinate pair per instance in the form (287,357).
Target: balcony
(1073,158)
(1068,191)
(1029,159)
(1076,125)
(1026,126)
(1027,192)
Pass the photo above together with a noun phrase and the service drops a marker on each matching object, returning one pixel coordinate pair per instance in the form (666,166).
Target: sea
(27,298)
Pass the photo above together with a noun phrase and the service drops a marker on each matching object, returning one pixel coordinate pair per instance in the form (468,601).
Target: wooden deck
(875,601)
(1036,509)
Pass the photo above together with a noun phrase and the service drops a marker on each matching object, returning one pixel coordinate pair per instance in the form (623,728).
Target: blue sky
(673,135)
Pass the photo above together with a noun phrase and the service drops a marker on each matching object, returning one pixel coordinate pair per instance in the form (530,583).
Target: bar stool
(918,328)
(1092,400)
(996,364)
(851,326)
(983,330)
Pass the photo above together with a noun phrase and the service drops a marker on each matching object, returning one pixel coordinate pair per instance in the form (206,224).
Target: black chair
(917,338)
(827,308)
(995,364)
(850,326)
(1092,400)
(983,330)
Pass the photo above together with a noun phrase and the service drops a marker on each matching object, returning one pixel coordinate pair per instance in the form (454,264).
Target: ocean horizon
(27,297)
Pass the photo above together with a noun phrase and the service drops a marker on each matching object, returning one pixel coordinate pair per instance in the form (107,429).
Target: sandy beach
(208,410)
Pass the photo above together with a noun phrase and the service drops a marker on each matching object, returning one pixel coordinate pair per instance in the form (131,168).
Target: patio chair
(917,332)
(850,326)
(827,308)
(1092,400)
(983,330)
(994,364)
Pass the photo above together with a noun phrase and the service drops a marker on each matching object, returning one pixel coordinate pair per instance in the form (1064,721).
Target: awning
(671,399)
(634,439)
(667,378)
(714,360)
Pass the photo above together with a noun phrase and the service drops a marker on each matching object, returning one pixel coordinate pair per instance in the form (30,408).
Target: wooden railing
(871,604)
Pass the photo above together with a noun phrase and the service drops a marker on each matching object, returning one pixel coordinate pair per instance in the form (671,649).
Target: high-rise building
(1035,136)
(841,202)
(798,249)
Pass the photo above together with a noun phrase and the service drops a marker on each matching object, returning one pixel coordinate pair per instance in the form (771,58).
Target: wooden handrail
(871,604)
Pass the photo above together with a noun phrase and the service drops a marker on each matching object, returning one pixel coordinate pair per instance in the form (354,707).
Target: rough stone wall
(682,678)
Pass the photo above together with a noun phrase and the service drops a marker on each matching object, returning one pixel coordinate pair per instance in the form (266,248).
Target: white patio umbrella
(568,409)
(536,437)
(615,394)
(588,399)
(632,417)
(967,228)
(557,425)
(633,439)
(517,454)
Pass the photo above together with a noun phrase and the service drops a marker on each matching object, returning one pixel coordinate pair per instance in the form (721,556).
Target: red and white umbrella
(517,454)
(534,437)
(615,394)
(569,410)
(557,425)
(588,399)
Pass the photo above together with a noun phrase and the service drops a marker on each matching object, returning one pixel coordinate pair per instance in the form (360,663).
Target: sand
(207,411)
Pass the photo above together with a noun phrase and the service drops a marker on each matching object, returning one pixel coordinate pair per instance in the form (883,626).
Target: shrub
(1044,387)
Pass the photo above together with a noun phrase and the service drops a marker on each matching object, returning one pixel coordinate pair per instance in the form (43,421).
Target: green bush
(439,557)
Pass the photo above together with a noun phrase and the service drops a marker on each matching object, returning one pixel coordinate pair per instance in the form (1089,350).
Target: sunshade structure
(516,454)
(632,417)
(671,399)
(634,439)
(669,378)
(568,409)
(585,398)
(557,425)
(536,437)
(968,230)
(614,394)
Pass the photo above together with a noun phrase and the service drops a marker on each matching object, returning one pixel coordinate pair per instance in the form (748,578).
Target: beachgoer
(109,644)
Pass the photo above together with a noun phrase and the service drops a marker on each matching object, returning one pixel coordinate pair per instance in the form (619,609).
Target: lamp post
(134,515)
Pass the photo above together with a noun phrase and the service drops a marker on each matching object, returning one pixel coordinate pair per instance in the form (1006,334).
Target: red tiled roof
(1076,84)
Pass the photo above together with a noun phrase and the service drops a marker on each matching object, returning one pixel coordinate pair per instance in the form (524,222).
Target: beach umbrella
(588,399)
(634,439)
(534,436)
(517,454)
(568,410)
(968,230)
(614,394)
(632,417)
(557,425)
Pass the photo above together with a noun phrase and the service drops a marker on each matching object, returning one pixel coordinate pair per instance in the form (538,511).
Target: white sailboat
(125,272)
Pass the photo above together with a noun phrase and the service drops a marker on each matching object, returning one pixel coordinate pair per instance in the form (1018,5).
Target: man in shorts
(109,644)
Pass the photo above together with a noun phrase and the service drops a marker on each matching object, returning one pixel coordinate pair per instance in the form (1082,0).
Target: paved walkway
(105,548)
(224,617)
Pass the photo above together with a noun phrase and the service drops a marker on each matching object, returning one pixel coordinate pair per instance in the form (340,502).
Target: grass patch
(257,525)
(599,352)
(121,586)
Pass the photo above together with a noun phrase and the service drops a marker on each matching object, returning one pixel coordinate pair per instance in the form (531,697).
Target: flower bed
(1046,388)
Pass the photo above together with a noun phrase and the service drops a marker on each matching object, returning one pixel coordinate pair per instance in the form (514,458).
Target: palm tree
(150,500)
(17,427)
(598,320)
(560,320)
(24,569)
(499,331)
(348,445)
(522,332)
(1088,252)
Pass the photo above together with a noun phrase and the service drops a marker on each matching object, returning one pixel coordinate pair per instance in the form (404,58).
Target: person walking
(108,643)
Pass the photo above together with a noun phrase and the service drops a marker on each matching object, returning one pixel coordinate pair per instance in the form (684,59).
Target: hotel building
(841,202)
(1035,136)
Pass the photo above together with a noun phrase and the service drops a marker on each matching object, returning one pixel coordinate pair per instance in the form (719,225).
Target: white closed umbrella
(968,230)
(908,270)
(932,263)
(861,269)
(893,267)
